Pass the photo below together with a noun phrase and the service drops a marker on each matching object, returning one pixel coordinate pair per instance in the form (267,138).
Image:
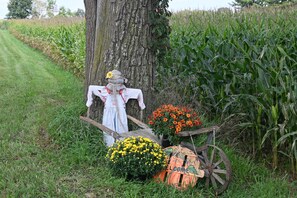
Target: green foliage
(65,12)
(240,66)
(79,13)
(243,3)
(160,28)
(42,8)
(50,8)
(3,24)
(38,7)
(250,3)
(19,9)
(62,11)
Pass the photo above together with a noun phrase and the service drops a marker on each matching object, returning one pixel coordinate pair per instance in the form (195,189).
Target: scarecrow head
(115,77)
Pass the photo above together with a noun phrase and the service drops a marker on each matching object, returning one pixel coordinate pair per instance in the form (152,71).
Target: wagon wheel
(216,163)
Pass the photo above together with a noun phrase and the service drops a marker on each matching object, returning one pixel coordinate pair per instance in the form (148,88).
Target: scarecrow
(114,95)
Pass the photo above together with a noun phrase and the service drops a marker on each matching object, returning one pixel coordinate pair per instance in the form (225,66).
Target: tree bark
(118,37)
(90,14)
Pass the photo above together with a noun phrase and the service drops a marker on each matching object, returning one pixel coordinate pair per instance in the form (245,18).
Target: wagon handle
(138,122)
(88,112)
(198,131)
(141,115)
(107,130)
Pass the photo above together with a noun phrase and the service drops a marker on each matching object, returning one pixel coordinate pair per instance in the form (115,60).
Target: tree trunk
(118,37)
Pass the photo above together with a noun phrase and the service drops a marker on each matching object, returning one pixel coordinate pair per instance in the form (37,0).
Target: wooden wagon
(213,160)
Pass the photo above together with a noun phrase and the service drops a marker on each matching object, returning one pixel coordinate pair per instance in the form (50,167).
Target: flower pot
(165,141)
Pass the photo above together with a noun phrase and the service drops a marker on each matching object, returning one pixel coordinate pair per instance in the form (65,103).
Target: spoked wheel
(216,163)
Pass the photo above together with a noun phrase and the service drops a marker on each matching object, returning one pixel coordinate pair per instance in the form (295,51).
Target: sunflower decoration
(109,75)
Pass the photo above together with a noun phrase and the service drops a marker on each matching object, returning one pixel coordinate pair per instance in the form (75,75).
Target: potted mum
(168,120)
(136,158)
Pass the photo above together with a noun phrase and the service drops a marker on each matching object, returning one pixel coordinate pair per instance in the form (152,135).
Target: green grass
(46,151)
(34,93)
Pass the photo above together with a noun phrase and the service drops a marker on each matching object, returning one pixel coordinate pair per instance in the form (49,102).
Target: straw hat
(115,77)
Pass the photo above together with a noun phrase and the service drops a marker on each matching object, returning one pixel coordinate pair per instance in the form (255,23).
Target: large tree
(62,11)
(43,8)
(50,8)
(80,13)
(38,9)
(19,9)
(122,35)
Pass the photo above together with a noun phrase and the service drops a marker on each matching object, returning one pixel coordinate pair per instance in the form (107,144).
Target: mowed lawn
(45,151)
(32,93)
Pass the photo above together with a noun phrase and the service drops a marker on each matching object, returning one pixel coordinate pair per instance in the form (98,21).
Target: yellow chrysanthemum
(109,75)
(148,155)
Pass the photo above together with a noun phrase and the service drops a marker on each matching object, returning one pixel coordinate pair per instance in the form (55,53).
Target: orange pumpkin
(182,168)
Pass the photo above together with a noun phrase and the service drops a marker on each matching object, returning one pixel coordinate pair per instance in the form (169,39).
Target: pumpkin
(182,168)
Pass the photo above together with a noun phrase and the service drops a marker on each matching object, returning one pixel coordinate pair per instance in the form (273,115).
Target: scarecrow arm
(135,94)
(93,89)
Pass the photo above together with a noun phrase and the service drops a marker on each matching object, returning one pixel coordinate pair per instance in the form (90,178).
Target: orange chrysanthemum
(169,120)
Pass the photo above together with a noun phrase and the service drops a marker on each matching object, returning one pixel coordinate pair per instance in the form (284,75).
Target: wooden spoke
(212,155)
(218,178)
(214,183)
(207,182)
(205,157)
(203,164)
(219,171)
(217,163)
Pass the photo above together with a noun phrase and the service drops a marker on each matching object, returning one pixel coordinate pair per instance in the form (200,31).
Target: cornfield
(244,66)
(62,39)
(234,65)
